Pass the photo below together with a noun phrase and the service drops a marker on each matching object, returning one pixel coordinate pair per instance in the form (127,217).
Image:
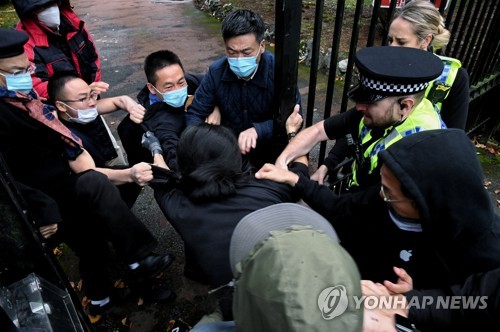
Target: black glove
(150,142)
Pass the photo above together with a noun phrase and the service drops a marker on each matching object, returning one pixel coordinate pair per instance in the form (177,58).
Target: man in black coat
(46,156)
(166,96)
(430,216)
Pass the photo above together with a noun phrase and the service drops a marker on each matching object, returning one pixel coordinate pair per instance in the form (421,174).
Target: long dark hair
(209,162)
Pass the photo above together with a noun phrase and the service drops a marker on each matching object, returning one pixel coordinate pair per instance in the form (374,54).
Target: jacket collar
(260,78)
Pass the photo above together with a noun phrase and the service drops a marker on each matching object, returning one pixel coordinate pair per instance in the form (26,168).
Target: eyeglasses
(387,199)
(28,70)
(92,96)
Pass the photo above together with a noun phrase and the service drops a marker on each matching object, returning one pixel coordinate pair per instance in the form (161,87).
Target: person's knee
(92,182)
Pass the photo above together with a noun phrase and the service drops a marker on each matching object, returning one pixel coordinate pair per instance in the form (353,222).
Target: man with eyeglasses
(78,109)
(241,84)
(45,156)
(390,105)
(430,218)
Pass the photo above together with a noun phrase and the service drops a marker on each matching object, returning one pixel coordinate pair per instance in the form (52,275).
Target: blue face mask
(175,98)
(21,82)
(245,66)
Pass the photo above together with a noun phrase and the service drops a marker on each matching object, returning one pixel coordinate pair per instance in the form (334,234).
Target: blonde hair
(425,19)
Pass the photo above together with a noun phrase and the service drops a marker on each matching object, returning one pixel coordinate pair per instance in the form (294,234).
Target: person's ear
(151,88)
(262,46)
(60,107)
(406,105)
(426,42)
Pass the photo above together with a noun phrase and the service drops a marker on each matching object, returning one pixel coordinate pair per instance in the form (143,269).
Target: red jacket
(51,52)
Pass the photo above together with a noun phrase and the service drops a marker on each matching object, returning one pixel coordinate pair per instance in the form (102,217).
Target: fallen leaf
(85,302)
(57,252)
(80,285)
(497,191)
(486,183)
(119,283)
(94,319)
(113,122)
(140,301)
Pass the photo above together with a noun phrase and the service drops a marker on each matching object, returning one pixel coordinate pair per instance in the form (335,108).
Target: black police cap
(12,42)
(393,71)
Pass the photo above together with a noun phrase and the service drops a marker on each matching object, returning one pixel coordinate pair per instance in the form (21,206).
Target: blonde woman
(419,24)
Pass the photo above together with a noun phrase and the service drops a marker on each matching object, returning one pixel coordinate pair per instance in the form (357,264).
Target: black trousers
(94,214)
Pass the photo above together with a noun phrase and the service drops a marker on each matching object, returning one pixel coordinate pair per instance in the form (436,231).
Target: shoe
(150,267)
(118,296)
(154,291)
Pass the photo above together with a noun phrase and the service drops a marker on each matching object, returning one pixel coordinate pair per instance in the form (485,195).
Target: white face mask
(50,17)
(83,116)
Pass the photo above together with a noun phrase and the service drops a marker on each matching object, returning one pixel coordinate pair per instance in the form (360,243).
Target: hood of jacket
(25,7)
(282,288)
(441,172)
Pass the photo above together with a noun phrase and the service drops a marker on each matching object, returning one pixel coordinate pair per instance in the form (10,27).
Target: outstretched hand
(403,285)
(277,174)
(99,87)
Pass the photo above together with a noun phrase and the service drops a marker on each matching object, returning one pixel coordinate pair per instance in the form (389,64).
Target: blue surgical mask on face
(244,67)
(175,98)
(21,82)
(83,116)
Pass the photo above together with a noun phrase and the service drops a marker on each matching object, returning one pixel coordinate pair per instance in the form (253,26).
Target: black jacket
(482,289)
(167,124)
(461,232)
(206,227)
(163,120)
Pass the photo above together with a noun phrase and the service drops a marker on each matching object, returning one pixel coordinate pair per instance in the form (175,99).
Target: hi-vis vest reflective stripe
(438,90)
(423,117)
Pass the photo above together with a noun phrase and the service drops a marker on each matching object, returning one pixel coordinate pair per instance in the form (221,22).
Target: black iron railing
(475,31)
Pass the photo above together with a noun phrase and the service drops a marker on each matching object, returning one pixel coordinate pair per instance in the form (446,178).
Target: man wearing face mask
(166,95)
(59,42)
(78,109)
(44,155)
(390,105)
(242,85)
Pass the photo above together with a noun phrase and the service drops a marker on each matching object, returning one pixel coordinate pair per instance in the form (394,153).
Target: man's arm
(302,144)
(108,105)
(140,173)
(204,101)
(44,209)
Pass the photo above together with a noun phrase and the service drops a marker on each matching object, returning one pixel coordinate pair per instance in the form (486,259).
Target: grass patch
(8,16)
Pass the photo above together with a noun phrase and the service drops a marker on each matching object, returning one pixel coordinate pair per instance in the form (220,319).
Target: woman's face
(401,33)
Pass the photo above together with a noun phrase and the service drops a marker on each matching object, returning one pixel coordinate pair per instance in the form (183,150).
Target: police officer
(390,105)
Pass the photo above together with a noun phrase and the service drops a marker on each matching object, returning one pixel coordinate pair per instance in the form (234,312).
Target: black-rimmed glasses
(92,96)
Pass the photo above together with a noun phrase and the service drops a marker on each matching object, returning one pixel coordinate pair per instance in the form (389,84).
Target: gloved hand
(150,142)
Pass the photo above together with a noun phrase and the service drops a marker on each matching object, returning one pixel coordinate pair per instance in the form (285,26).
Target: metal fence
(475,31)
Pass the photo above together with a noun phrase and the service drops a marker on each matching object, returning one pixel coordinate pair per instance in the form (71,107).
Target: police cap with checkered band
(393,71)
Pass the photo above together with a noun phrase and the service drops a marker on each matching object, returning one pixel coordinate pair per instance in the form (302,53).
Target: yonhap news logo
(333,302)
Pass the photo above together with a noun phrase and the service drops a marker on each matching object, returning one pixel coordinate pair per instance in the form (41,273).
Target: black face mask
(405,224)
